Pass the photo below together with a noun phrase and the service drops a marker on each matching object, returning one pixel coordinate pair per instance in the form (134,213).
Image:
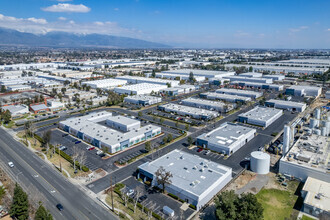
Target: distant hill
(63,39)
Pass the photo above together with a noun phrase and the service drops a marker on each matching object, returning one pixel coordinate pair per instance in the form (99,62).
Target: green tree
(250,69)
(42,213)
(153,74)
(3,89)
(176,124)
(6,116)
(163,177)
(169,137)
(190,140)
(20,206)
(161,120)
(140,114)
(2,192)
(191,77)
(147,146)
(187,127)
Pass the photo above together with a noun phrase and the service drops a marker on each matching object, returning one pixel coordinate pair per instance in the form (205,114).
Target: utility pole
(111,193)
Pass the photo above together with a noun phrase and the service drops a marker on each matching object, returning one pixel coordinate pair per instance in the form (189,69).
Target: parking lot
(156,200)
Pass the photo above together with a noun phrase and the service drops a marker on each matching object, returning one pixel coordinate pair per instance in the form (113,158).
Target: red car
(199,150)
(91,148)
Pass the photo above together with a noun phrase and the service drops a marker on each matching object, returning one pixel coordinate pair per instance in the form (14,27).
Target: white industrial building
(255,85)
(327,95)
(316,194)
(19,88)
(114,133)
(238,92)
(138,79)
(274,77)
(140,89)
(16,110)
(179,77)
(224,97)
(207,104)
(196,113)
(30,66)
(287,105)
(308,157)
(304,91)
(260,116)
(195,180)
(251,74)
(249,79)
(182,89)
(227,138)
(143,100)
(205,73)
(105,83)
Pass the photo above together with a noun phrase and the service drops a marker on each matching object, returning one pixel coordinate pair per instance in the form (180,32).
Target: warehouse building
(308,157)
(227,138)
(327,95)
(287,105)
(255,85)
(260,116)
(138,79)
(246,93)
(208,74)
(18,88)
(316,194)
(251,74)
(104,83)
(207,104)
(195,180)
(274,77)
(249,79)
(189,111)
(304,91)
(224,97)
(140,89)
(16,111)
(112,133)
(143,100)
(179,77)
(182,89)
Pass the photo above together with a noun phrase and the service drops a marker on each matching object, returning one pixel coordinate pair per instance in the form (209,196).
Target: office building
(189,111)
(287,105)
(227,138)
(111,133)
(260,116)
(195,180)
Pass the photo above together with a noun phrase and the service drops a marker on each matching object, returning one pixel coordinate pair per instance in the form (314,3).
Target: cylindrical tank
(327,125)
(317,131)
(313,123)
(317,113)
(260,162)
(324,131)
(286,139)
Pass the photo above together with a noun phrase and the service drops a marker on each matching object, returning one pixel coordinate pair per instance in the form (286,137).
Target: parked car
(199,150)
(62,148)
(130,192)
(142,198)
(91,148)
(11,164)
(77,142)
(59,206)
(102,155)
(207,152)
(99,152)
(64,135)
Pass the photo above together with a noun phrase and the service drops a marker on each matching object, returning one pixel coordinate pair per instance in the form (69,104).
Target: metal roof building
(249,79)
(224,97)
(246,93)
(207,104)
(139,89)
(227,138)
(195,180)
(287,105)
(142,99)
(260,116)
(304,91)
(138,79)
(206,73)
(196,113)
(104,83)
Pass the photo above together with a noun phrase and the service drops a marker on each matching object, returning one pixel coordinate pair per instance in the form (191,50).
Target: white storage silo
(286,139)
(317,113)
(260,162)
(313,123)
(324,131)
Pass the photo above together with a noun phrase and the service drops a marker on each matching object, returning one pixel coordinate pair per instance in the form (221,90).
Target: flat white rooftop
(261,113)
(318,193)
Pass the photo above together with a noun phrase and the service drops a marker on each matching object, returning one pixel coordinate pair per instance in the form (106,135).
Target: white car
(99,152)
(11,164)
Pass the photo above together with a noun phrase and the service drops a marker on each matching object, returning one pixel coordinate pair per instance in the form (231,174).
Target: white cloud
(298,29)
(63,0)
(116,9)
(62,18)
(64,7)
(38,21)
(328,29)
(41,26)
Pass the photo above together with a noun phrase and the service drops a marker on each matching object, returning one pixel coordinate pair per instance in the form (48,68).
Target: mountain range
(9,37)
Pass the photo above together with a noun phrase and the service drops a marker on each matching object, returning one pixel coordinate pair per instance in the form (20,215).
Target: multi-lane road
(32,172)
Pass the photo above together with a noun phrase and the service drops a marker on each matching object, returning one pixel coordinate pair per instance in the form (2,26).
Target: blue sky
(180,23)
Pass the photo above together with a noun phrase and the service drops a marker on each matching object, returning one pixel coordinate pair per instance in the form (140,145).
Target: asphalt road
(31,170)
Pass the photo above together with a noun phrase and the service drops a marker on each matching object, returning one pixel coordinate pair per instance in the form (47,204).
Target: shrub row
(173,196)
(192,206)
